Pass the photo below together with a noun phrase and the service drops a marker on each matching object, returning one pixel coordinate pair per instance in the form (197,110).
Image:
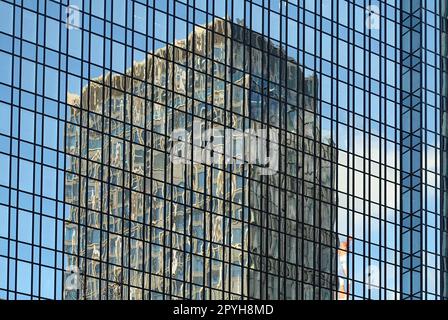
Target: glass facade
(119,180)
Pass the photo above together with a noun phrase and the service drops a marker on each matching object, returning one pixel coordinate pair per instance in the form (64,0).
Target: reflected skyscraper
(143,227)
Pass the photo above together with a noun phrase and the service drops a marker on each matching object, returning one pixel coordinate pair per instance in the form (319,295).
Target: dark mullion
(334,174)
(228,175)
(302,153)
(282,106)
(299,169)
(206,178)
(266,123)
(250,166)
(88,259)
(186,166)
(397,140)
(190,169)
(128,155)
(79,173)
(250,180)
(145,149)
(124,220)
(164,185)
(208,196)
(213,170)
(318,147)
(129,25)
(64,139)
(18,148)
(171,165)
(424,157)
(109,283)
(422,143)
(246,165)
(58,169)
(366,225)
(42,153)
(439,182)
(350,196)
(316,247)
(152,151)
(437,171)
(87,110)
(442,142)
(383,102)
(102,209)
(34,160)
(367,155)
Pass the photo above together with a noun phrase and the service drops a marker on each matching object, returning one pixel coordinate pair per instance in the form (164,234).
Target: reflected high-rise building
(142,227)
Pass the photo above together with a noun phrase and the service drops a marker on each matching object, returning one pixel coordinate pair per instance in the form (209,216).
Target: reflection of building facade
(141,227)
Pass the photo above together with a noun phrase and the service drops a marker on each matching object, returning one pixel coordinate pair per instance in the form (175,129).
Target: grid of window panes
(91,189)
(359,58)
(90,91)
(365,76)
